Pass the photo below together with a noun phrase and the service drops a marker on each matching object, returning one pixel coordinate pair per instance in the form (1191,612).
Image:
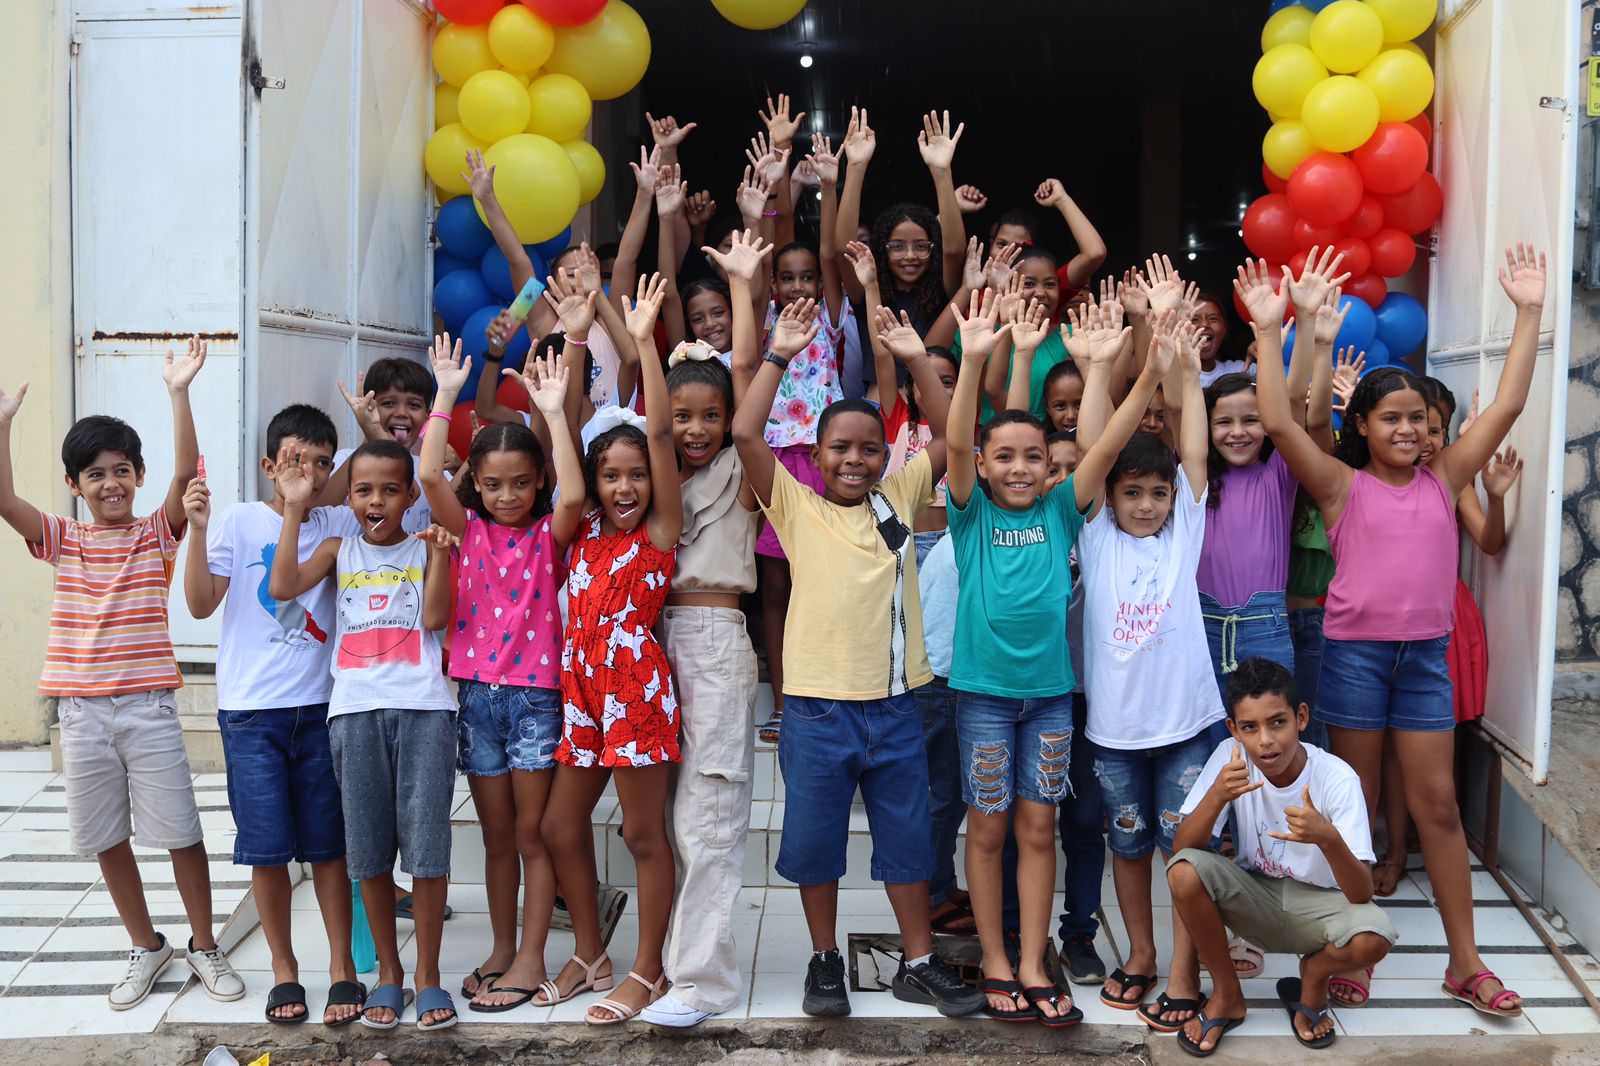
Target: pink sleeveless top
(1396,550)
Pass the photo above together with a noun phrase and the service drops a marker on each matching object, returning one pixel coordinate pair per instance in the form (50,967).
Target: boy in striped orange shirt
(109,663)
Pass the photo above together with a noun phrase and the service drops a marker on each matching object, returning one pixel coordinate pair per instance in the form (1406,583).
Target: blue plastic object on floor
(362,949)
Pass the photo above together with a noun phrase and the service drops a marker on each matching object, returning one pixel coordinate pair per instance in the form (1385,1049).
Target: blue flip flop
(394,997)
(430,999)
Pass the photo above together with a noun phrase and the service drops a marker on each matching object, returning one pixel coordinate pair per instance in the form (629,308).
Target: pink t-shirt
(1246,549)
(1396,551)
(507,628)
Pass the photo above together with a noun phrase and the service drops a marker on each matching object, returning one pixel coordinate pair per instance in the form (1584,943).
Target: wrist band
(776,360)
(576,342)
(438,414)
(769,214)
(492,356)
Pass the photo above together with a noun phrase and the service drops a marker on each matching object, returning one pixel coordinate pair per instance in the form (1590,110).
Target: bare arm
(1104,330)
(1194,429)
(19,514)
(795,329)
(865,269)
(826,164)
(665,522)
(481,180)
(202,590)
(449,376)
(743,262)
(1487,526)
(938,146)
(178,373)
(859,143)
(548,381)
(289,577)
(437,588)
(1091,247)
(486,402)
(979,342)
(647,174)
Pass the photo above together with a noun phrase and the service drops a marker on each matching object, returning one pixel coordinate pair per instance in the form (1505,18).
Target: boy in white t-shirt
(1300,881)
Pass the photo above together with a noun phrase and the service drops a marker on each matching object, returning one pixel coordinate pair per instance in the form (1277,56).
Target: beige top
(717,551)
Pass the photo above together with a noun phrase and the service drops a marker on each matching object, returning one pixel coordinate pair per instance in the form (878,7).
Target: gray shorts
(127,773)
(397,776)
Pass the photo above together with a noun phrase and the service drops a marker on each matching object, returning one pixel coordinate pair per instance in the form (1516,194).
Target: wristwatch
(776,360)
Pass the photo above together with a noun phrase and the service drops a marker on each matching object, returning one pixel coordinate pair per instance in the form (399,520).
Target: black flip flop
(1163,1004)
(1052,995)
(524,995)
(1193,1047)
(1289,995)
(1013,990)
(402,909)
(957,921)
(1141,981)
(482,979)
(287,994)
(345,994)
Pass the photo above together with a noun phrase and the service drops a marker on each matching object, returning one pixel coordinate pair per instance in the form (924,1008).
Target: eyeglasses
(918,249)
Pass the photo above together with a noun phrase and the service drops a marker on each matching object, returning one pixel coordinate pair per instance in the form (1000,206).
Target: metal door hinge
(73,45)
(1557,103)
(262,81)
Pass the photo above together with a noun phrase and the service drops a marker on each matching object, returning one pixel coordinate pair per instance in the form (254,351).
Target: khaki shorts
(1280,914)
(127,773)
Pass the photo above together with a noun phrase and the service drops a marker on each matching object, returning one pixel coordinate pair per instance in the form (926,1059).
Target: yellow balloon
(1284,76)
(559,107)
(1404,19)
(519,39)
(758,14)
(1346,35)
(536,184)
(493,105)
(1402,81)
(608,54)
(1340,114)
(444,104)
(524,77)
(459,52)
(445,157)
(1286,146)
(590,166)
(1292,25)
(1408,46)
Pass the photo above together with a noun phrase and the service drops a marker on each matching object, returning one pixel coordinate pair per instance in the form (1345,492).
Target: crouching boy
(1300,881)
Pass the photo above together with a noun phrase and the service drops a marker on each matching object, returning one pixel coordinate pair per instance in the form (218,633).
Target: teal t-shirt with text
(1016,582)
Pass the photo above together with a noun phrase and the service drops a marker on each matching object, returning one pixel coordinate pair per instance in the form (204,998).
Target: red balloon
(1367,220)
(1392,160)
(461,427)
(1274,183)
(468,12)
(564,12)
(1423,125)
(1357,256)
(1325,189)
(1415,210)
(1368,288)
(1307,236)
(1393,253)
(1269,227)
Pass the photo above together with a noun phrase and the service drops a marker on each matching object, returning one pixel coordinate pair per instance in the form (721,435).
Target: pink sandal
(1468,993)
(1340,989)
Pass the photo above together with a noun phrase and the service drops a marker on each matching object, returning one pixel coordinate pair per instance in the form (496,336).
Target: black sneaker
(1084,966)
(825,991)
(936,983)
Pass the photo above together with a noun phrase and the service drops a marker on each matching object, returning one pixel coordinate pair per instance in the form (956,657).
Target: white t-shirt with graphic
(1335,791)
(383,655)
(1147,663)
(271,654)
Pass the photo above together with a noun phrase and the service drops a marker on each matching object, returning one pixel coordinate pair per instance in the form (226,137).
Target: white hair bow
(693,351)
(609,418)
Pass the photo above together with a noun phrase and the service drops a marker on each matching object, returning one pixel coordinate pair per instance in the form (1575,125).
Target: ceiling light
(1193,257)
(805,60)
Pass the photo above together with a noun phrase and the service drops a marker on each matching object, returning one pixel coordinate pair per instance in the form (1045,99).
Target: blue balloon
(1378,354)
(497,272)
(555,245)
(1360,326)
(1288,345)
(461,231)
(457,295)
(1315,5)
(445,263)
(475,342)
(1279,5)
(1402,324)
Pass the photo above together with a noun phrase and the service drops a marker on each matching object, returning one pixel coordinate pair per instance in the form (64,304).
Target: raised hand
(824,159)
(1011,299)
(1347,370)
(547,389)
(670,191)
(1133,293)
(898,337)
(770,161)
(795,329)
(1320,276)
(1234,780)
(11,403)
(1266,302)
(666,132)
(1165,288)
(970,199)
(1523,277)
(972,274)
(294,478)
(804,175)
(702,208)
(1189,343)
(977,326)
(743,257)
(500,331)
(780,127)
(364,406)
(647,171)
(641,313)
(179,372)
(479,176)
(1307,825)
(1050,193)
(438,538)
(1096,335)
(1330,317)
(752,195)
(1002,267)
(572,305)
(1502,472)
(448,370)
(586,268)
(1165,342)
(862,262)
(860,140)
(1191,301)
(197,502)
(1029,325)
(936,143)
(1472,413)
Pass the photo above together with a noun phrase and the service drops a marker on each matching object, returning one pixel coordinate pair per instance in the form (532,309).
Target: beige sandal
(590,983)
(621,1012)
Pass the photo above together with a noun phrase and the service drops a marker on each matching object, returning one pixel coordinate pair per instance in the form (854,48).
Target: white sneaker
(216,973)
(673,1013)
(144,966)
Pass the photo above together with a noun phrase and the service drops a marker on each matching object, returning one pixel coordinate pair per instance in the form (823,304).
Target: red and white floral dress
(616,687)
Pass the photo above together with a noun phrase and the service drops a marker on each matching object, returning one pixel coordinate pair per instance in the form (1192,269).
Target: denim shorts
(828,748)
(1143,791)
(506,727)
(1386,684)
(1259,628)
(1013,749)
(1305,627)
(281,786)
(397,775)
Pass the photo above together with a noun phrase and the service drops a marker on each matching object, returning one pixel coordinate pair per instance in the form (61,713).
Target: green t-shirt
(1052,351)
(1016,581)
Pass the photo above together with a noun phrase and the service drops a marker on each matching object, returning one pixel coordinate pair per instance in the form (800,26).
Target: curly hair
(1352,450)
(631,436)
(928,293)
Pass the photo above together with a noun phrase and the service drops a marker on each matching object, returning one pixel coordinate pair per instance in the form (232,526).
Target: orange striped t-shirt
(108,622)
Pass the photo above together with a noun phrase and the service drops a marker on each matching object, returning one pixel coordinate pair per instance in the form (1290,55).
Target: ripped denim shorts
(1143,791)
(506,727)
(1013,749)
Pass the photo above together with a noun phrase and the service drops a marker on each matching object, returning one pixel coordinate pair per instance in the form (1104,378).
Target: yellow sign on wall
(1594,86)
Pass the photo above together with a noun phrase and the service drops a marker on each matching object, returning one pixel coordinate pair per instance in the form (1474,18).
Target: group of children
(1053,561)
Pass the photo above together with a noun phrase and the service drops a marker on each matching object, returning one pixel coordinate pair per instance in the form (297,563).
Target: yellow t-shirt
(844,638)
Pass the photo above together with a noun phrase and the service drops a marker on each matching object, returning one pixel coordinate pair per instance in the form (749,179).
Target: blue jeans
(281,786)
(1257,628)
(1305,629)
(1143,791)
(506,727)
(925,541)
(1388,684)
(1013,749)
(826,750)
(937,703)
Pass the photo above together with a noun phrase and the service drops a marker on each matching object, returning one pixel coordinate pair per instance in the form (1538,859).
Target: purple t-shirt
(1246,549)
(507,628)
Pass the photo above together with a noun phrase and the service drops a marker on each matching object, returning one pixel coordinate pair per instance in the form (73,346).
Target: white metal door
(1507,91)
(156,196)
